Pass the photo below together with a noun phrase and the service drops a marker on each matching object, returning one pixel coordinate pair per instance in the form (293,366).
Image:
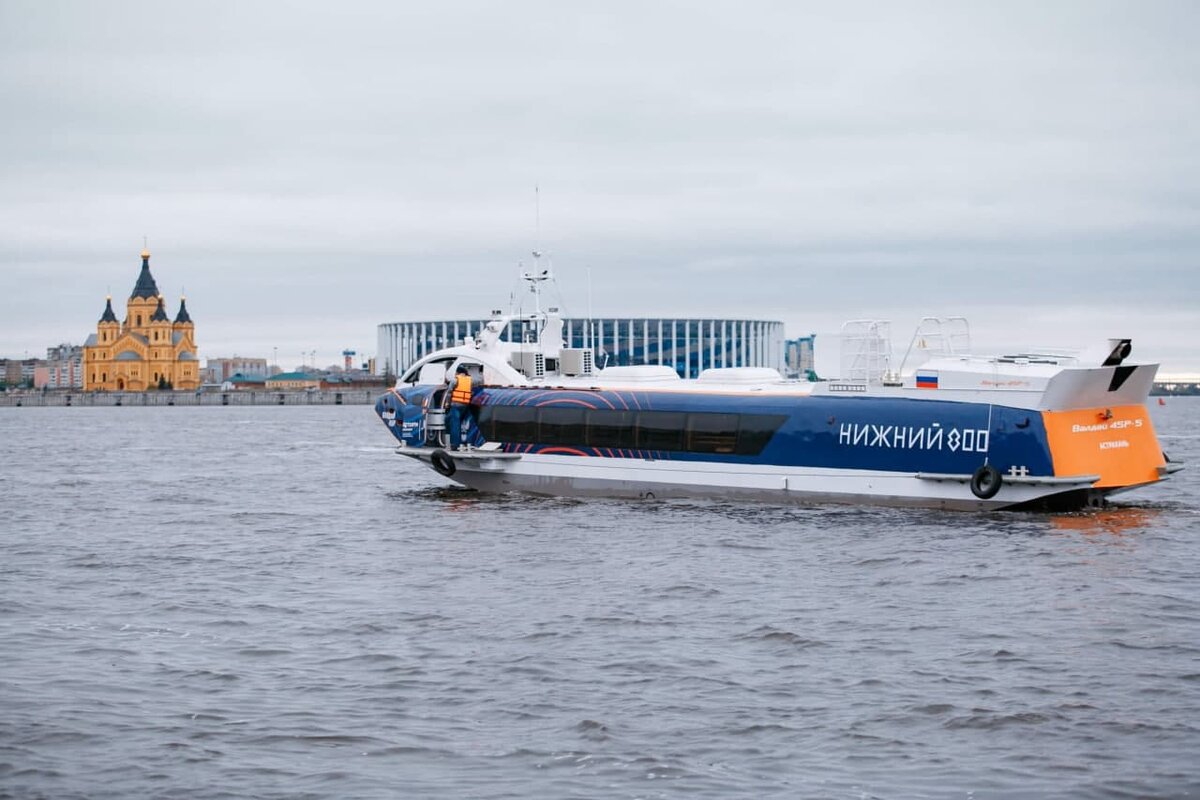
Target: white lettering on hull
(1116,425)
(901,437)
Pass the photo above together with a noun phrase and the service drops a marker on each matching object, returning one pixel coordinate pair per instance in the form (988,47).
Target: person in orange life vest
(460,405)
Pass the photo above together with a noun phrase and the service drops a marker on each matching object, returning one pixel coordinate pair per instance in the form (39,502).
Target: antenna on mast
(535,278)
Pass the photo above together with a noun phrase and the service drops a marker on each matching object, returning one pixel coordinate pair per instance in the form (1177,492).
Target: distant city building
(355,379)
(219,370)
(310,379)
(238,381)
(294,380)
(689,346)
(799,358)
(146,350)
(64,367)
(19,372)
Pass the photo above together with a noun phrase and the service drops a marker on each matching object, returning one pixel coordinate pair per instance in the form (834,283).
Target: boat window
(711,433)
(660,430)
(560,425)
(485,420)
(433,373)
(610,429)
(509,423)
(474,369)
(755,430)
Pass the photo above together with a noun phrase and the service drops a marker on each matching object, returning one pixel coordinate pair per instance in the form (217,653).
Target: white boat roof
(1026,379)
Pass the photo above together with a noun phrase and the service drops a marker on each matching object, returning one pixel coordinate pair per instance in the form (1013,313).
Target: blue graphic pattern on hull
(890,434)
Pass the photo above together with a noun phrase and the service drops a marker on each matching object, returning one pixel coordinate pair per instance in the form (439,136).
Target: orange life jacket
(462,390)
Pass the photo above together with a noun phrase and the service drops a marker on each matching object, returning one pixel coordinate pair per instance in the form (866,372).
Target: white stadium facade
(688,345)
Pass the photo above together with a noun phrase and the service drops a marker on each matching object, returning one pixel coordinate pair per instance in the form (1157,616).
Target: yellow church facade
(147,350)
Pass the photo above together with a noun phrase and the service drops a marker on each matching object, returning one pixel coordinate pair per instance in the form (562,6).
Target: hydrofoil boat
(947,429)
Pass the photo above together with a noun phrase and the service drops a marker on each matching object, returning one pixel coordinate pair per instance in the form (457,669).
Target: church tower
(107,329)
(162,349)
(142,302)
(98,352)
(183,320)
(183,331)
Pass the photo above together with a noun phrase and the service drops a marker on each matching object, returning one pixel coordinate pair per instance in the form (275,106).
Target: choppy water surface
(266,602)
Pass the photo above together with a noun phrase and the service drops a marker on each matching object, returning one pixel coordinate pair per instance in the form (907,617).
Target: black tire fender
(986,482)
(442,463)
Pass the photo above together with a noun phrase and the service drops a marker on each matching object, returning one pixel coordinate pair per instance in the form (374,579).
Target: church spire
(145,286)
(159,314)
(108,316)
(182,316)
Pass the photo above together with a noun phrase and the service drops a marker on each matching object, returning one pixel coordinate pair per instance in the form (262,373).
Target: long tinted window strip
(697,432)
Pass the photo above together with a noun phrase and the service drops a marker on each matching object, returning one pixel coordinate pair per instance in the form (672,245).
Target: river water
(267,602)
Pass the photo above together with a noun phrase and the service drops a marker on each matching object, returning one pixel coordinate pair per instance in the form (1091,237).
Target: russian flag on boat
(927,379)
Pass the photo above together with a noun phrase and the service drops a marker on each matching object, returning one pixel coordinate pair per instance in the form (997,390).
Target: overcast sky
(309,170)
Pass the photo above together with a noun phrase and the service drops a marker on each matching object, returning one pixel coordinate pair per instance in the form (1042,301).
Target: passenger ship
(1053,430)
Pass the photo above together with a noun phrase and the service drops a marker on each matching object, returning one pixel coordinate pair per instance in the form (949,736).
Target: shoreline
(262,397)
(244,397)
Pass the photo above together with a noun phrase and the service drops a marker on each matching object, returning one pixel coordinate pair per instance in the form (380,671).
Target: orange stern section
(1117,443)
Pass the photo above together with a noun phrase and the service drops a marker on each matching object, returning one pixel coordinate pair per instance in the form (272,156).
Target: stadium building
(688,345)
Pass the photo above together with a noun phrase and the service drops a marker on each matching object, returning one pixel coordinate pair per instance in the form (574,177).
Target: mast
(535,278)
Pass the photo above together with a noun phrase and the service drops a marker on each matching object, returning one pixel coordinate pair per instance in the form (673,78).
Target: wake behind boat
(1054,429)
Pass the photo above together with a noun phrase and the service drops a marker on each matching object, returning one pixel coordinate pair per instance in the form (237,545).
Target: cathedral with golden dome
(147,350)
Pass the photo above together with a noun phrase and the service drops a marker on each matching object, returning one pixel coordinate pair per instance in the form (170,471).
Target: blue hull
(861,433)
